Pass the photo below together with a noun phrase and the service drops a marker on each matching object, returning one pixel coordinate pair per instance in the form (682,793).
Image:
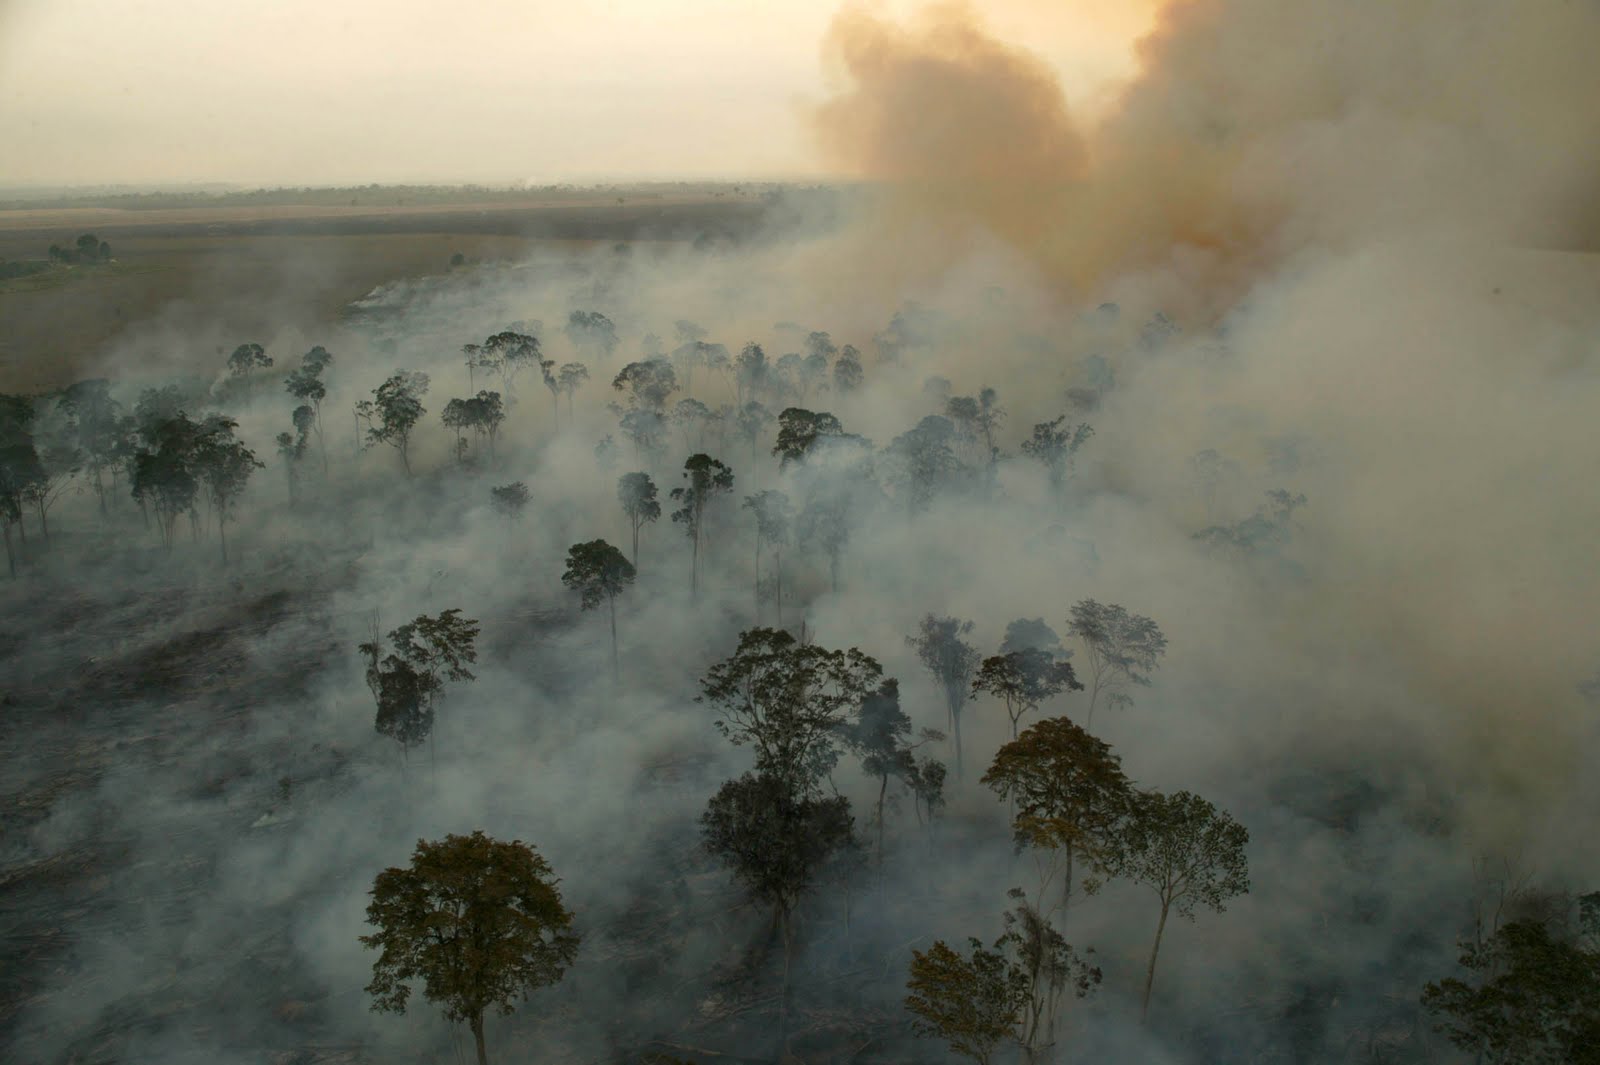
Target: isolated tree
(507,354)
(647,384)
(292,449)
(921,462)
(425,652)
(1033,634)
(569,379)
(776,839)
(1022,680)
(593,334)
(509,499)
(977,418)
(847,370)
(752,373)
(1530,993)
(637,494)
(789,701)
(751,422)
(246,359)
(482,415)
(952,661)
(306,385)
(881,737)
(1053,445)
(1187,851)
(480,923)
(773,517)
(706,478)
(1010,993)
(395,411)
(598,572)
(974,1003)
(692,417)
(1120,650)
(1070,796)
(646,429)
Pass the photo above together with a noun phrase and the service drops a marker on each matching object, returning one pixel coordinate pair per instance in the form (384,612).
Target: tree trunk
(783,1006)
(777,574)
(883,789)
(477,1037)
(694,565)
(635,524)
(955,727)
(100,490)
(222,538)
(758,577)
(616,668)
(11,556)
(44,523)
(1150,972)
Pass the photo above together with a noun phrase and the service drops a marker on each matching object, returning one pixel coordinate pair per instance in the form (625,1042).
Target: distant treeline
(369,195)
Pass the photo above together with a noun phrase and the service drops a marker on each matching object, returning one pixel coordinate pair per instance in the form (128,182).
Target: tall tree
(974,1003)
(569,379)
(479,922)
(306,385)
(789,701)
(952,661)
(593,334)
(921,464)
(19,466)
(598,572)
(1022,680)
(1053,445)
(395,410)
(752,374)
(801,432)
(246,359)
(1121,650)
(98,430)
(223,465)
(507,354)
(509,499)
(1070,795)
(881,737)
(776,839)
(1188,852)
(847,371)
(406,682)
(706,478)
(637,494)
(773,517)
(647,384)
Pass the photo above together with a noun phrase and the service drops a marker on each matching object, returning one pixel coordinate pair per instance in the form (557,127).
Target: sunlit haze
(105,91)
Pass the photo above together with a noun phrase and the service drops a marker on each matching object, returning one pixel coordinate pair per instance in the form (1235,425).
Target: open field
(259,269)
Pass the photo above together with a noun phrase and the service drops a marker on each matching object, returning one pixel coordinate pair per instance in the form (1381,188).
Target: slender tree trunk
(694,565)
(955,728)
(777,574)
(883,789)
(405,459)
(616,668)
(788,960)
(100,490)
(222,537)
(11,556)
(477,1037)
(1150,972)
(758,577)
(635,523)
(22,525)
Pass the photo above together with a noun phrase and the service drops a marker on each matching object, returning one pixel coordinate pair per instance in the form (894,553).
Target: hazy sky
(339,91)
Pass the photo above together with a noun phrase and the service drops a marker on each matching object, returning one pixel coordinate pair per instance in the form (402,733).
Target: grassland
(260,268)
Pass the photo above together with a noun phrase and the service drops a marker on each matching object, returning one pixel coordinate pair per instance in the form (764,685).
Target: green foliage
(1022,680)
(395,411)
(952,660)
(1053,445)
(1069,791)
(592,333)
(647,383)
(801,431)
(789,701)
(247,358)
(1531,996)
(972,1002)
(597,572)
(509,499)
(478,922)
(426,652)
(775,837)
(637,494)
(1121,649)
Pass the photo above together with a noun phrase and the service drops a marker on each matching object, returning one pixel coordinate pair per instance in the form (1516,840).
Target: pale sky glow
(346,91)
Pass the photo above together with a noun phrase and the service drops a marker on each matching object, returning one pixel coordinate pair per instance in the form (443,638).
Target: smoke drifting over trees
(996,440)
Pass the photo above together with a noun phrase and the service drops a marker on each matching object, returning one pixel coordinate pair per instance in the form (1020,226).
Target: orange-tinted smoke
(1254,130)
